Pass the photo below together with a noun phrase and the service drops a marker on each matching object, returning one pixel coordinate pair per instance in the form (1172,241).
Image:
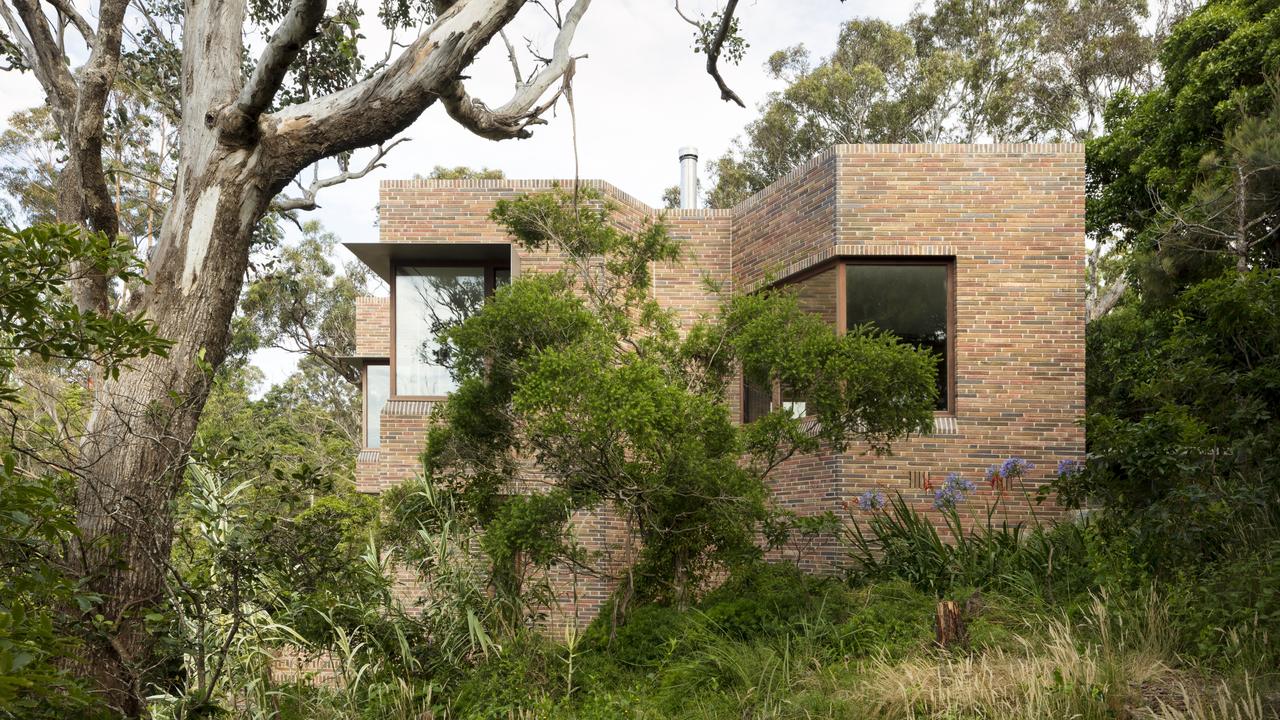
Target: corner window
(377,388)
(910,300)
(428,301)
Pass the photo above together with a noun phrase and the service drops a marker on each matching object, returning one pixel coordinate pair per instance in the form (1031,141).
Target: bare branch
(82,25)
(527,94)
(43,56)
(511,54)
(479,119)
(713,53)
(1103,304)
(299,26)
(308,199)
(380,107)
(686,18)
(512,119)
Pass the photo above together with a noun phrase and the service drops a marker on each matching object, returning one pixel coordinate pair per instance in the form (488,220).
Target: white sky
(640,95)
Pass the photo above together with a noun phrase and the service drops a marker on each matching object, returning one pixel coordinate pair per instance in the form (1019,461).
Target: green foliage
(39,321)
(1181,426)
(1217,64)
(35,521)
(38,317)
(898,542)
(310,420)
(298,302)
(462,172)
(956,72)
(585,373)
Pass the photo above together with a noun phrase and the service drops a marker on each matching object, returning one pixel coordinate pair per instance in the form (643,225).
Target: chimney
(688,178)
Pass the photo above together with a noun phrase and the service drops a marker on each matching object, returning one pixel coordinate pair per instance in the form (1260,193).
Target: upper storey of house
(976,251)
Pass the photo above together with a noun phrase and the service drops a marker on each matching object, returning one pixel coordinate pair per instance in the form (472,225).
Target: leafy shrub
(522,678)
(1184,444)
(896,542)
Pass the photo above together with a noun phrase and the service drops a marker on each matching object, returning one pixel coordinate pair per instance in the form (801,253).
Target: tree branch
(512,119)
(713,53)
(381,106)
(43,57)
(511,55)
(479,119)
(1104,303)
(82,25)
(308,199)
(299,26)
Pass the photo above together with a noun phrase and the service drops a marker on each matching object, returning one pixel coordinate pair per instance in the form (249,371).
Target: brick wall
(373,327)
(1011,217)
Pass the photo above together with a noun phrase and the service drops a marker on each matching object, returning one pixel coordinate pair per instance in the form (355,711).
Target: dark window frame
(840,264)
(490,268)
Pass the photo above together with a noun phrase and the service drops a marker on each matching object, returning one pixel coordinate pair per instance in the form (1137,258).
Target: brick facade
(1010,218)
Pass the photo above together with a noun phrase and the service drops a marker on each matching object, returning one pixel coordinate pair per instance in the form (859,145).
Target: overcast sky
(640,95)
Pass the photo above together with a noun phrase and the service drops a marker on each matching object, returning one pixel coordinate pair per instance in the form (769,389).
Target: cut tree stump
(948,624)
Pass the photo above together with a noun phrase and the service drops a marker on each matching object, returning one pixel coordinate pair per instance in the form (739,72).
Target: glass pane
(501,276)
(908,300)
(428,301)
(377,389)
(756,401)
(794,402)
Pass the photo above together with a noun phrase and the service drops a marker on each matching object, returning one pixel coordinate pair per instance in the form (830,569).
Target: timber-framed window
(912,297)
(426,299)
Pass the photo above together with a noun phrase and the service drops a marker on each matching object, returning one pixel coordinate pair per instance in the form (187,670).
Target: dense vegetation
(1160,598)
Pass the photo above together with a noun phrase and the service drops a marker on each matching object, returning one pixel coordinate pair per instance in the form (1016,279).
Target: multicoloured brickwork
(1010,220)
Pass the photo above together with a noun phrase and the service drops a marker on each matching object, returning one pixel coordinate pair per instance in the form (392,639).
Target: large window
(377,388)
(427,301)
(910,298)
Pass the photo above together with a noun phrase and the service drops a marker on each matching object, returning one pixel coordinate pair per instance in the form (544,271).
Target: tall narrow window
(911,300)
(377,388)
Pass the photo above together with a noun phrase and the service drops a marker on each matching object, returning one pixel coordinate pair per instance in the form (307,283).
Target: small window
(910,300)
(377,388)
(757,400)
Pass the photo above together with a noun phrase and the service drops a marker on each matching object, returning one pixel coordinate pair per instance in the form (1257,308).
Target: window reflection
(377,380)
(430,300)
(908,300)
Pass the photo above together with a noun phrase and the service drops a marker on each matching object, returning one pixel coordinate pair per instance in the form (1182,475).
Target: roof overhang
(380,257)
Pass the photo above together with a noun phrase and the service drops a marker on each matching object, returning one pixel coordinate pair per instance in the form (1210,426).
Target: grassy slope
(777,644)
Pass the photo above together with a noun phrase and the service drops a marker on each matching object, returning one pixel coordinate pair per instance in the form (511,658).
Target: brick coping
(613,191)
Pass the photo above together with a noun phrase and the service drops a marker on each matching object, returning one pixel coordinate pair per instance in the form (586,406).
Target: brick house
(986,240)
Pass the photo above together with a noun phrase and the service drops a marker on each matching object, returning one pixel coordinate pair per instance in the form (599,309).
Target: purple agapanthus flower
(872,500)
(1067,468)
(1015,467)
(952,492)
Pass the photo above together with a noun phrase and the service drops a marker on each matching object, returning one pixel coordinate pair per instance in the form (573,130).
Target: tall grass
(1104,666)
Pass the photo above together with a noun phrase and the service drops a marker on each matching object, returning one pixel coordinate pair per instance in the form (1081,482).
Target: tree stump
(948,624)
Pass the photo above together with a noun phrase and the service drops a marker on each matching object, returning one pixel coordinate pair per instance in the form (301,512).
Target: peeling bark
(235,159)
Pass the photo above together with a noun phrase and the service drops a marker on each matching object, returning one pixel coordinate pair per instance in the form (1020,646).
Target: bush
(896,542)
(1184,444)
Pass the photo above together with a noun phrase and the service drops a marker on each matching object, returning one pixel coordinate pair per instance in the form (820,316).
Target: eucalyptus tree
(250,117)
(1003,71)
